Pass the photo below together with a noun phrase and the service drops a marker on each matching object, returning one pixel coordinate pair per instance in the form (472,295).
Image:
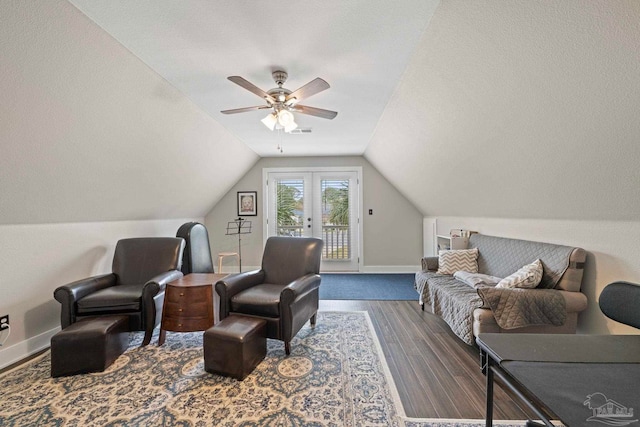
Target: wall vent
(301,130)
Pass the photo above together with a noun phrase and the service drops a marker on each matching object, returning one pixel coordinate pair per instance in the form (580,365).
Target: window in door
(322,204)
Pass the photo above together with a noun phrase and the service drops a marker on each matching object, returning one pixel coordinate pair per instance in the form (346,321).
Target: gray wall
(392,235)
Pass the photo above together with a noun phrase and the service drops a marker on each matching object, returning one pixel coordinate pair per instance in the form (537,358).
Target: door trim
(359,183)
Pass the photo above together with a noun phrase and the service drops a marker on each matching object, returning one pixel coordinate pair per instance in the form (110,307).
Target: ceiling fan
(282,102)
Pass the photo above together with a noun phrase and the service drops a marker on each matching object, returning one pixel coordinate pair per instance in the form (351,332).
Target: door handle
(308,219)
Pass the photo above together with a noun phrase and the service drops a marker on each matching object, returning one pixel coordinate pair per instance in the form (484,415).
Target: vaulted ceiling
(361,48)
(110,110)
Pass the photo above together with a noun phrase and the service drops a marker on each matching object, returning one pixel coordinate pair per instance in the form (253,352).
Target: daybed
(551,307)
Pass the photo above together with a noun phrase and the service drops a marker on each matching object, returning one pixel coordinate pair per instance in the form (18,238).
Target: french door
(322,204)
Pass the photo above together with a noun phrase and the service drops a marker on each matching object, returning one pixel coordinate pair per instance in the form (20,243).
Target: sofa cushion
(527,277)
(500,256)
(117,298)
(458,260)
(259,300)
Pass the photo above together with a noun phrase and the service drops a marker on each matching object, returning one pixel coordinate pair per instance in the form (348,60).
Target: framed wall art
(247,203)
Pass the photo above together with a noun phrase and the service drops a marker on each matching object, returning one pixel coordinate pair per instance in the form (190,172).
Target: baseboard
(365,269)
(391,269)
(26,348)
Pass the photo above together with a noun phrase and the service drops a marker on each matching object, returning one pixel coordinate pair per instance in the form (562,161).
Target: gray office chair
(620,301)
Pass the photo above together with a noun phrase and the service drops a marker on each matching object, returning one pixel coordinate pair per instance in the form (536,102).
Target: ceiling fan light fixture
(270,121)
(285,118)
(282,102)
(291,126)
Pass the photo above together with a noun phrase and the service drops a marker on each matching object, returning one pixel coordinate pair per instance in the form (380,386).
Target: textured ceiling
(361,48)
(525,109)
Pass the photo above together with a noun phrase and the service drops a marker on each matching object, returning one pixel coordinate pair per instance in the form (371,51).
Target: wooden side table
(190,304)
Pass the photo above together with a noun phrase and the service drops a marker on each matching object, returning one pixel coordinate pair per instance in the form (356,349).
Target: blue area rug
(398,287)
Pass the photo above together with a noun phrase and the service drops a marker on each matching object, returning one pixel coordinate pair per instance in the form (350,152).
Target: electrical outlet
(4,322)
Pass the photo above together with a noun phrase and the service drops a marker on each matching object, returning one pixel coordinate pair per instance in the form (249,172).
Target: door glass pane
(336,231)
(289,207)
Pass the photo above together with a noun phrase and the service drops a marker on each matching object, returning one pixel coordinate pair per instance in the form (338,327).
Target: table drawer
(188,309)
(191,293)
(186,324)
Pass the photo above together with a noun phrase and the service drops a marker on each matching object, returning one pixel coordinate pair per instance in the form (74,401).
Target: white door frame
(265,204)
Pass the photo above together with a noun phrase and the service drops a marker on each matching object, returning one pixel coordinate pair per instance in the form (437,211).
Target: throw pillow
(458,260)
(528,277)
(476,280)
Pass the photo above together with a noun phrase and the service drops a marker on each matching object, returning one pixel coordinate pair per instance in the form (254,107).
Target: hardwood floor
(436,374)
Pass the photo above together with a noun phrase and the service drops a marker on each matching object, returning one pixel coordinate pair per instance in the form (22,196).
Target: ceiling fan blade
(245,109)
(251,88)
(314,86)
(318,112)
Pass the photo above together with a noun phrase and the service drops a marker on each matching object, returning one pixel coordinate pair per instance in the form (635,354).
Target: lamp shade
(290,126)
(270,121)
(285,118)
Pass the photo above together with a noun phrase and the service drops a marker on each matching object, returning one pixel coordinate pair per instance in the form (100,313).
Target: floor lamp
(239,226)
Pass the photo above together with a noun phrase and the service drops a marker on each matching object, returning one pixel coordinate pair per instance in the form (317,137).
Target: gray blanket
(455,302)
(450,299)
(517,308)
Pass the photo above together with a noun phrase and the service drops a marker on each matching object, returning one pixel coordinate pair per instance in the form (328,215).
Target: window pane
(289,207)
(336,231)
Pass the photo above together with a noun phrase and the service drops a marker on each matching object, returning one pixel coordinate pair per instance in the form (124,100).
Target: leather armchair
(284,291)
(140,271)
(197,252)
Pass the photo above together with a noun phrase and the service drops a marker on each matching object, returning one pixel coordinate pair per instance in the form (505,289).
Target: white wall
(613,253)
(392,235)
(37,258)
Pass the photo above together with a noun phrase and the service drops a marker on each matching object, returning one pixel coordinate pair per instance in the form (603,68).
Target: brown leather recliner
(284,291)
(140,271)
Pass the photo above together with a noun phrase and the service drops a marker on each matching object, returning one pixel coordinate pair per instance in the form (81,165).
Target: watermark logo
(607,411)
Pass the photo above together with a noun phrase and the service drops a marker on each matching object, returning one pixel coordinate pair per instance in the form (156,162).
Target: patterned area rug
(336,376)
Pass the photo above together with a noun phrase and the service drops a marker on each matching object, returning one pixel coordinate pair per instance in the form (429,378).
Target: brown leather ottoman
(235,346)
(89,345)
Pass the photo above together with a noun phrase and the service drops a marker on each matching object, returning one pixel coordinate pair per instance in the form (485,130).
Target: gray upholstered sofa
(552,307)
